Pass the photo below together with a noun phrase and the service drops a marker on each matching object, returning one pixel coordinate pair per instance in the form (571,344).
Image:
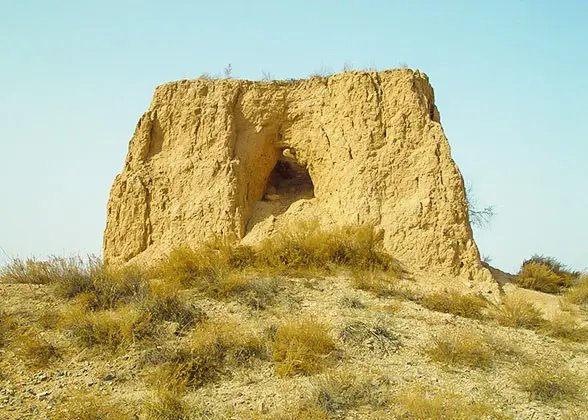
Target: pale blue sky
(509,79)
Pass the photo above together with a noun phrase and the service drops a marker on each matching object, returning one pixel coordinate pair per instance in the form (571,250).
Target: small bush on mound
(462,348)
(425,403)
(578,292)
(467,306)
(519,313)
(550,384)
(545,274)
(110,329)
(211,347)
(302,347)
(308,247)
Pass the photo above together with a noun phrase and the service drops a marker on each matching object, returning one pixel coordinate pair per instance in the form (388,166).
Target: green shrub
(545,274)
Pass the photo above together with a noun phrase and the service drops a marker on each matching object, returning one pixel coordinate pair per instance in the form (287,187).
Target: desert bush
(35,350)
(210,348)
(549,383)
(578,292)
(467,306)
(565,327)
(109,328)
(420,402)
(463,347)
(165,404)
(302,346)
(517,312)
(307,246)
(545,274)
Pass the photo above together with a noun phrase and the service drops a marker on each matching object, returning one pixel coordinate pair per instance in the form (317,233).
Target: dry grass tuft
(578,293)
(302,347)
(352,302)
(545,274)
(375,337)
(308,247)
(36,351)
(519,313)
(206,265)
(550,384)
(339,391)
(260,292)
(162,302)
(110,329)
(7,325)
(467,306)
(211,348)
(566,327)
(424,403)
(164,404)
(463,347)
(380,283)
(84,406)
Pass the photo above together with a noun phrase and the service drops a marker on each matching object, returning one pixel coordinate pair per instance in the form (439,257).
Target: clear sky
(509,79)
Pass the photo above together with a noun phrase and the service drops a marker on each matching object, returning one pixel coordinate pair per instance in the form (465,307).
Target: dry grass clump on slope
(165,404)
(309,247)
(86,406)
(210,349)
(549,384)
(36,351)
(463,347)
(519,313)
(467,306)
(578,293)
(566,327)
(302,346)
(422,402)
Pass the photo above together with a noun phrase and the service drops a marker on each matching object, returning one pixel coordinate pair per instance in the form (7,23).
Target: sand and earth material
(241,158)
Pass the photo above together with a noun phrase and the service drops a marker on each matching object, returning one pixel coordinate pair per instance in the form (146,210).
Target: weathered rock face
(235,157)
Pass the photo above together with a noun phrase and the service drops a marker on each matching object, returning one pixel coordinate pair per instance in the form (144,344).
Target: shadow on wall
(288,182)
